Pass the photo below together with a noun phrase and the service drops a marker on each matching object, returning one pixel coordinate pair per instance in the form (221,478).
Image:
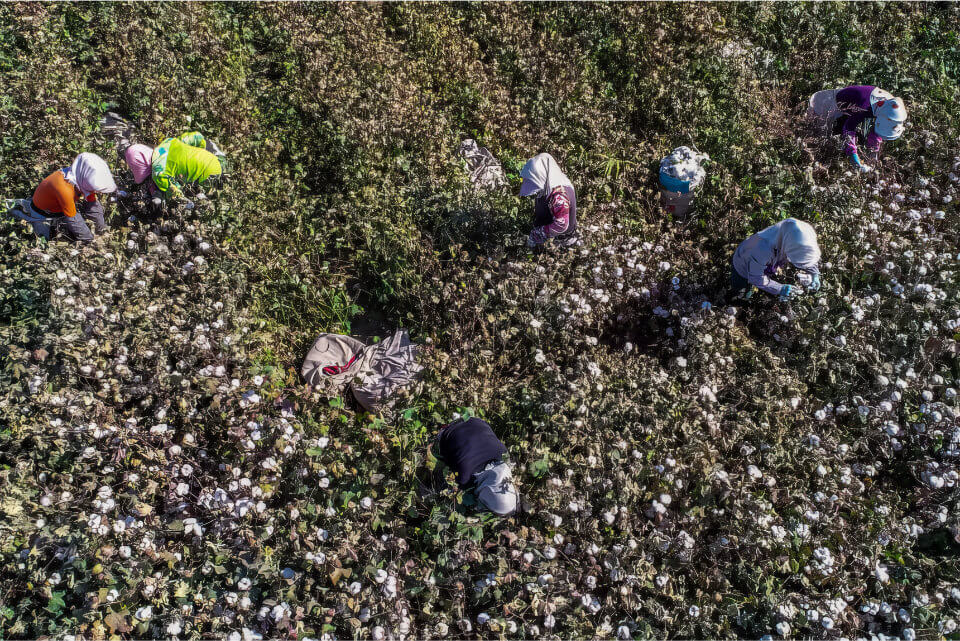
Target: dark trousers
(74,227)
(740,287)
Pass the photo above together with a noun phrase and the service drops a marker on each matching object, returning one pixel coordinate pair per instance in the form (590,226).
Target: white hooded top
(90,174)
(761,255)
(541,174)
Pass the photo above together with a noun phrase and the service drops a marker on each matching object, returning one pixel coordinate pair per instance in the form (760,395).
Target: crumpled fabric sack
(23,209)
(334,361)
(484,169)
(372,372)
(392,366)
(824,110)
(113,124)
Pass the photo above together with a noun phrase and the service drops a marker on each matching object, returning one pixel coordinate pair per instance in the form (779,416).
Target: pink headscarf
(138,159)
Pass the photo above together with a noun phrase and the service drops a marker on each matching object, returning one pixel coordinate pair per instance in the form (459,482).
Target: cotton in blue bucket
(681,173)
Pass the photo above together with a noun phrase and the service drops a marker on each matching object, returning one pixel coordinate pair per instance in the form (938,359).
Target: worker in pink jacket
(555,205)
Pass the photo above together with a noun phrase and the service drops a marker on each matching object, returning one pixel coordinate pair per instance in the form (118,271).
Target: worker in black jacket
(473,451)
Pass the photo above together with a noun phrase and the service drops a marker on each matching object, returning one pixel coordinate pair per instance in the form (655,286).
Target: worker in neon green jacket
(176,162)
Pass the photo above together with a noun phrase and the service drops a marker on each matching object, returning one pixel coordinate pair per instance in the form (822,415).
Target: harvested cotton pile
(685,165)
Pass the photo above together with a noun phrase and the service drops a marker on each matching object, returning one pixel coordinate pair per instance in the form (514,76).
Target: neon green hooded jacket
(182,160)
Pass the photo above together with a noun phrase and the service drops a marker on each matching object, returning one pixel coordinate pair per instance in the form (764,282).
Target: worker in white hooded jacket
(759,258)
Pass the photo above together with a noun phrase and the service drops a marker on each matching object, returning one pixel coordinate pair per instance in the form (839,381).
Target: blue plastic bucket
(674,184)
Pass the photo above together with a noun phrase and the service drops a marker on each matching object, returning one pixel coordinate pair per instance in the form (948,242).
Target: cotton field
(688,465)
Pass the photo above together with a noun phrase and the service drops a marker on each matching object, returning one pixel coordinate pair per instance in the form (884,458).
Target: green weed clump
(688,469)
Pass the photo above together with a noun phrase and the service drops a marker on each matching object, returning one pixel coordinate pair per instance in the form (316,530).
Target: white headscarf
(541,174)
(495,489)
(90,174)
(797,242)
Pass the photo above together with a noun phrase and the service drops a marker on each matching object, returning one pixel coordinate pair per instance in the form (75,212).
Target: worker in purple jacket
(861,102)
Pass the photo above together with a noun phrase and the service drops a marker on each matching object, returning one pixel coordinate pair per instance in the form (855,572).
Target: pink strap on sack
(333,370)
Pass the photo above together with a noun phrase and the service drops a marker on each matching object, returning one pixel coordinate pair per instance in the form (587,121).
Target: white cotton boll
(754,472)
(909,634)
(881,573)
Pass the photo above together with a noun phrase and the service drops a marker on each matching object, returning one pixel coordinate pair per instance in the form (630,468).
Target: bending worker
(862,102)
(473,451)
(177,162)
(72,190)
(555,204)
(761,256)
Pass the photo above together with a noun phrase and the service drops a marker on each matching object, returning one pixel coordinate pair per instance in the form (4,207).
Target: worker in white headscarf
(555,207)
(761,256)
(74,189)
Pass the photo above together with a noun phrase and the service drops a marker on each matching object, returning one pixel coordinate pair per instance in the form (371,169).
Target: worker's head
(798,242)
(891,114)
(90,174)
(540,175)
(138,159)
(495,489)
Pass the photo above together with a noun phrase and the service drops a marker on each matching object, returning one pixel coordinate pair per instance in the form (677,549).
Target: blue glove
(815,283)
(785,292)
(855,160)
